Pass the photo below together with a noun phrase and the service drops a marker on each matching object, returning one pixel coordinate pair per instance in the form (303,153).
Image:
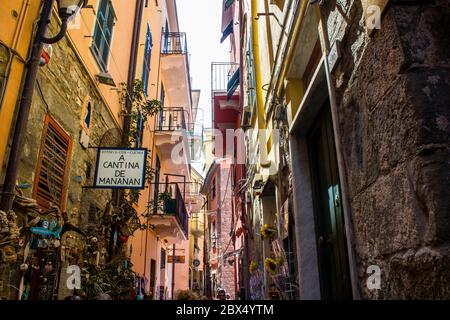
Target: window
(50,185)
(147,60)
(213,189)
(139,135)
(86,121)
(103,33)
(152,277)
(163,259)
(166,38)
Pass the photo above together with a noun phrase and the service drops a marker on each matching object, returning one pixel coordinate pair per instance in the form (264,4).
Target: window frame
(97,52)
(50,122)
(146,65)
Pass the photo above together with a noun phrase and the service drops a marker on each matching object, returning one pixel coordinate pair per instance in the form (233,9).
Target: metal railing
(173,119)
(174,43)
(221,74)
(167,200)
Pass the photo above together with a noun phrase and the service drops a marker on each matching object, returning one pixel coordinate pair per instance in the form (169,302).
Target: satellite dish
(111,139)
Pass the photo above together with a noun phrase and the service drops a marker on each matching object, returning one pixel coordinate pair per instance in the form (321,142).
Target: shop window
(50,185)
(103,33)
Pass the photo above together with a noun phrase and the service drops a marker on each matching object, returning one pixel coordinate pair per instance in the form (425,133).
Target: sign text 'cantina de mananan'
(120,168)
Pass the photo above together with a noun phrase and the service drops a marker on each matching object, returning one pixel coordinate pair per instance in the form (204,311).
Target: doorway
(328,211)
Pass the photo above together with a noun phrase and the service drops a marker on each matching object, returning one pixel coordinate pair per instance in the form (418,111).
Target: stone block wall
(226,226)
(62,87)
(393,94)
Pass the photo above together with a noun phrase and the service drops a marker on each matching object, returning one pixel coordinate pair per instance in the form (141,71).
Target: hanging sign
(178,259)
(120,168)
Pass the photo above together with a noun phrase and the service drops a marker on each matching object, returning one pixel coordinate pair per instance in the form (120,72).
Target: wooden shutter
(50,183)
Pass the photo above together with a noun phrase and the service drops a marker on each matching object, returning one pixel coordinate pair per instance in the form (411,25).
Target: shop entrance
(328,212)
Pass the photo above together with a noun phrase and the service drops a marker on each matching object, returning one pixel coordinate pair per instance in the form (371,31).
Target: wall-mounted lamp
(66,9)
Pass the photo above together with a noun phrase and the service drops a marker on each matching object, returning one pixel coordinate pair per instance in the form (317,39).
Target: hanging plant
(253,266)
(271,266)
(280,261)
(141,107)
(268,231)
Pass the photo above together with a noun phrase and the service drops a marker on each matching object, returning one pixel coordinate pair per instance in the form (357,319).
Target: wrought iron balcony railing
(173,119)
(224,77)
(168,201)
(174,43)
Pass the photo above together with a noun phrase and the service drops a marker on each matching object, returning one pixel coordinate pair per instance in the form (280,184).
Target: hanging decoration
(253,267)
(268,231)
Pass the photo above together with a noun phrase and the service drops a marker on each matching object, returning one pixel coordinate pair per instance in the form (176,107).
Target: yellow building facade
(17,18)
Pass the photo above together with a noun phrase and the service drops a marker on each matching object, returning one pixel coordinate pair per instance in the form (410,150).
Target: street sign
(196,263)
(178,259)
(120,168)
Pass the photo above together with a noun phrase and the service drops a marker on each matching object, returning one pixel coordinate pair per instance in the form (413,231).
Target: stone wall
(393,93)
(62,87)
(226,226)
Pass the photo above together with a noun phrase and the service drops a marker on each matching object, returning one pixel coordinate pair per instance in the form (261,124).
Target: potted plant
(167,203)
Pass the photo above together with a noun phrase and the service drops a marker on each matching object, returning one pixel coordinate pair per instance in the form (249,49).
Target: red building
(225,231)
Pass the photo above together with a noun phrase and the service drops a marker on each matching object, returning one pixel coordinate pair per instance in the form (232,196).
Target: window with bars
(50,185)
(103,33)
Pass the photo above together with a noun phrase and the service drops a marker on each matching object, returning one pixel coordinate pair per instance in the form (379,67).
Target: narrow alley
(224,150)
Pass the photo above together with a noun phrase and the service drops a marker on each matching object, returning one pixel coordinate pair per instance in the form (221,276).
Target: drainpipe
(292,41)
(128,104)
(24,109)
(132,65)
(173,270)
(257,67)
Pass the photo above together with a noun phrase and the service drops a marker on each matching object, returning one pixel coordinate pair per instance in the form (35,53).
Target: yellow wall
(16,28)
(81,33)
(155,17)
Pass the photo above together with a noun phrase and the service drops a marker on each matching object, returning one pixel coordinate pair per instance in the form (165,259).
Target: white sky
(202,20)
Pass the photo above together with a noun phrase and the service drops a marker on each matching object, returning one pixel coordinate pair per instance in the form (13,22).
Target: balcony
(168,213)
(194,199)
(225,78)
(175,68)
(172,139)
